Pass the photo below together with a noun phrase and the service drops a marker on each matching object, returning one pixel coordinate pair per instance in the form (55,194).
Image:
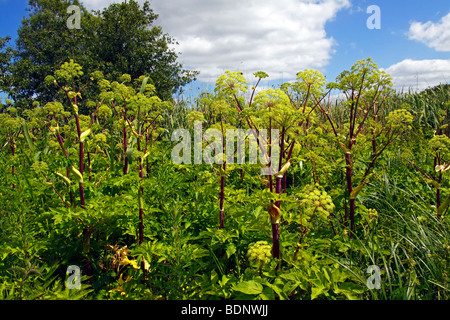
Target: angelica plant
(364,87)
(141,112)
(285,110)
(227,108)
(268,109)
(65,79)
(10,127)
(69,80)
(439,146)
(306,94)
(221,117)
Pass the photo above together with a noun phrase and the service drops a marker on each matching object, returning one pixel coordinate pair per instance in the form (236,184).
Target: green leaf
(222,172)
(77,174)
(317,291)
(249,287)
(443,206)
(84,135)
(130,155)
(350,290)
(144,83)
(230,250)
(343,147)
(435,184)
(145,156)
(67,144)
(277,290)
(63,177)
(358,189)
(27,136)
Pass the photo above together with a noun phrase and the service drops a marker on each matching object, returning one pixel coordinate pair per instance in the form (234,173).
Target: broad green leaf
(277,290)
(317,291)
(67,144)
(350,290)
(343,147)
(230,250)
(358,189)
(249,287)
(355,191)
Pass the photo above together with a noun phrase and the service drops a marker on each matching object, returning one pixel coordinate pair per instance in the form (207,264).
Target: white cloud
(279,37)
(419,74)
(98,4)
(434,35)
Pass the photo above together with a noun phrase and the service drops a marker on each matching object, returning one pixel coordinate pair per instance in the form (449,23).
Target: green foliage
(364,77)
(399,119)
(150,229)
(315,200)
(440,143)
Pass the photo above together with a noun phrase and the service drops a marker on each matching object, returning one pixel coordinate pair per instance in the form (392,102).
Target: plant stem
(348,176)
(222,198)
(275,241)
(141,193)
(13,150)
(125,146)
(80,162)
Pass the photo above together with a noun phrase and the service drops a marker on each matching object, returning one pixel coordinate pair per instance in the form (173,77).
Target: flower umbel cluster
(315,200)
(259,253)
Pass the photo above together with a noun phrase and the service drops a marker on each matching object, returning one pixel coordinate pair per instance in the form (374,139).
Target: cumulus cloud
(419,74)
(279,37)
(434,35)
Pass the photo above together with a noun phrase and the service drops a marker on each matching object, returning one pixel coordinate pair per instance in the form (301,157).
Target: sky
(410,40)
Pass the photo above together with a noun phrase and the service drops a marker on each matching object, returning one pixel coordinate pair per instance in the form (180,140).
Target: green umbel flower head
(315,200)
(259,253)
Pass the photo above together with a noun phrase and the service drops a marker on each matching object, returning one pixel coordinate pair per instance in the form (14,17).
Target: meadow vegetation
(87,179)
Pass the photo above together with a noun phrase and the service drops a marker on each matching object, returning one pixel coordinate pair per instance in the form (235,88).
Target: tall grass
(408,243)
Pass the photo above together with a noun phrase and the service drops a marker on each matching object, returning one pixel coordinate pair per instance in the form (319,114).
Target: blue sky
(286,36)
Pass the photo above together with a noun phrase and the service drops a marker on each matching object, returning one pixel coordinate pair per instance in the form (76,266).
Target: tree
(44,43)
(6,54)
(121,39)
(132,44)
